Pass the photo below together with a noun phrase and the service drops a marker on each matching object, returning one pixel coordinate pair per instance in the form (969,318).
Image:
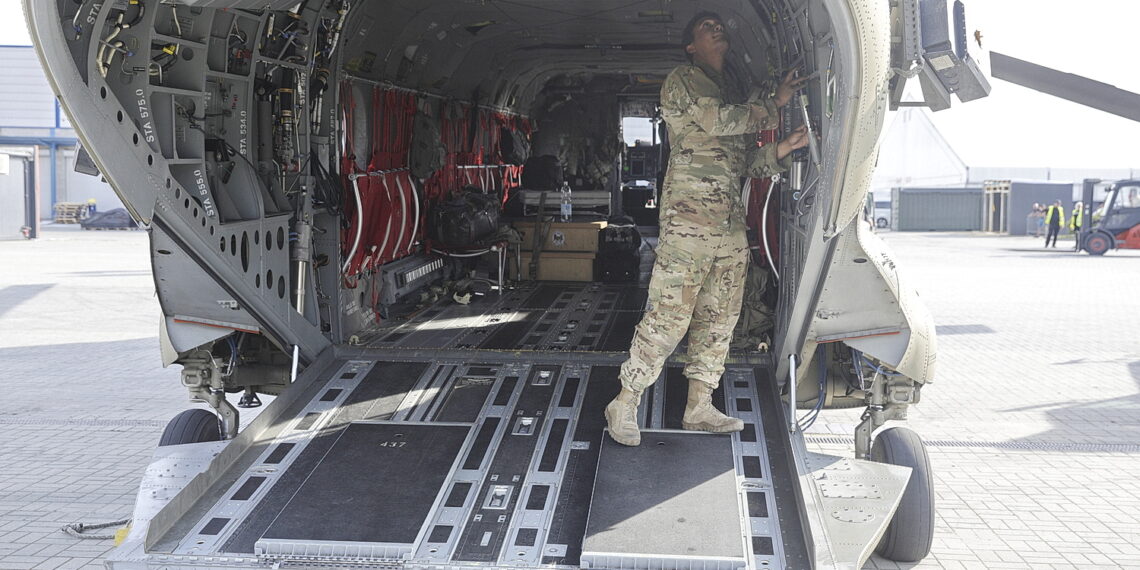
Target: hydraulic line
(403,218)
(388,230)
(102,60)
(764,229)
(359,224)
(792,393)
(416,218)
(301,255)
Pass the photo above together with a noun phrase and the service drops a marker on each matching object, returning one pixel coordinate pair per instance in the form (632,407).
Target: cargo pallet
(69,212)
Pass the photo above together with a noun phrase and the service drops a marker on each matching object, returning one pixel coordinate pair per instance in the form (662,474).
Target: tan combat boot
(621,417)
(701,415)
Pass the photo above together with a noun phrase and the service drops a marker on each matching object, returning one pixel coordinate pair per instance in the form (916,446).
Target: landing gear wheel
(191,426)
(881,223)
(911,532)
(1097,244)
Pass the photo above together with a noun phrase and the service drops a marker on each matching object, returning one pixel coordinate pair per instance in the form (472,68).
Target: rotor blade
(1075,88)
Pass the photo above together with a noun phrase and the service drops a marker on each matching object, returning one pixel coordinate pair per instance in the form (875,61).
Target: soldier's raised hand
(788,87)
(795,140)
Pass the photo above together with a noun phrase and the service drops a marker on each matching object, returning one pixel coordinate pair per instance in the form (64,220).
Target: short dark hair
(687,35)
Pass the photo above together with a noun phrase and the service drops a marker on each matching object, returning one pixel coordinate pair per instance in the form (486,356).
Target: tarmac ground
(1033,423)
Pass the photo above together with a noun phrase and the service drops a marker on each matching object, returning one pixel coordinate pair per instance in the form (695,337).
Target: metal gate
(997,204)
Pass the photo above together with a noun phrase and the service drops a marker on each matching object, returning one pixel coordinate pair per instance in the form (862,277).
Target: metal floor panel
(545,316)
(361,492)
(512,485)
(647,513)
(543,319)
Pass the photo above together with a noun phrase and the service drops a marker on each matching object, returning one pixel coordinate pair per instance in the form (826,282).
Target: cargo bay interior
(370,183)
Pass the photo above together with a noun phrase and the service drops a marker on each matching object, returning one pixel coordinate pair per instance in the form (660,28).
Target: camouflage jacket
(712,141)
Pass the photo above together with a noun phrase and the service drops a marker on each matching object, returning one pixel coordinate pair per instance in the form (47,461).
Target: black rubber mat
(376,397)
(619,334)
(510,335)
(632,299)
(543,297)
(676,393)
(465,400)
(361,492)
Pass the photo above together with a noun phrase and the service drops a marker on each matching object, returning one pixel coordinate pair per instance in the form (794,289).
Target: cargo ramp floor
(427,448)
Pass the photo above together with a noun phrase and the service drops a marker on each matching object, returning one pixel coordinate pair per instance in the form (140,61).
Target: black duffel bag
(467,220)
(619,255)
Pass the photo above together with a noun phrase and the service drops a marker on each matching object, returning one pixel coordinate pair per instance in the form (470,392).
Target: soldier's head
(704,37)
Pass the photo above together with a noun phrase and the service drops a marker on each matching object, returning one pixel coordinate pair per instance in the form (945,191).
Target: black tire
(911,532)
(1097,243)
(881,223)
(191,426)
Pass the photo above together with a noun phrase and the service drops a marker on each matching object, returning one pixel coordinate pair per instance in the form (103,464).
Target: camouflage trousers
(697,286)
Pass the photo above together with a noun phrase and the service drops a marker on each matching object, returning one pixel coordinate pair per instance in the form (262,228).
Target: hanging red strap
(407,122)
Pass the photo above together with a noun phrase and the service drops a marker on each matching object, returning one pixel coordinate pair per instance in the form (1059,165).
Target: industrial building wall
(12,204)
(936,209)
(26,98)
(30,116)
(1022,196)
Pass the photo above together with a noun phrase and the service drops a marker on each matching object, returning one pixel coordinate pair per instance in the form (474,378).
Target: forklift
(1116,225)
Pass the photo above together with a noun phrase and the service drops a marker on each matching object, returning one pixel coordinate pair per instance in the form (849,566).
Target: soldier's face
(709,38)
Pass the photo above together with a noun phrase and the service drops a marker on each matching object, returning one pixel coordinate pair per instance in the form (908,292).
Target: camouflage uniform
(702,253)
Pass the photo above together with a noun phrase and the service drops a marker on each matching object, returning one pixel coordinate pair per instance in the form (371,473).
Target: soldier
(702,252)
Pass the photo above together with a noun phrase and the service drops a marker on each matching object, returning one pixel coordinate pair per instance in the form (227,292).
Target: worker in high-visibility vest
(1075,223)
(1054,219)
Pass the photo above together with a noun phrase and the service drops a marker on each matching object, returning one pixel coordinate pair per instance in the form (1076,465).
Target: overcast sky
(1014,126)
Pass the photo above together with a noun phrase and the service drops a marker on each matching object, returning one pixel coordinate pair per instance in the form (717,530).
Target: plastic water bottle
(567,207)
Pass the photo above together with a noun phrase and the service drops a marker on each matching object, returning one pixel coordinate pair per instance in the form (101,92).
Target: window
(634,129)
(1127,197)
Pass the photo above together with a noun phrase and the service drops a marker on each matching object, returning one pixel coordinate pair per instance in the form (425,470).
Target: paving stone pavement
(1034,417)
(1033,420)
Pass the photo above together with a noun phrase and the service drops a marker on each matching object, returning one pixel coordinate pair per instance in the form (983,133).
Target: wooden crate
(562,236)
(556,266)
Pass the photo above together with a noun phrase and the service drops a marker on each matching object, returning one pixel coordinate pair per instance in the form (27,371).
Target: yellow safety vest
(1059,211)
(1077,221)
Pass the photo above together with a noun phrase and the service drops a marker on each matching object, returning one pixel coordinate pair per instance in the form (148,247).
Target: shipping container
(936,209)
